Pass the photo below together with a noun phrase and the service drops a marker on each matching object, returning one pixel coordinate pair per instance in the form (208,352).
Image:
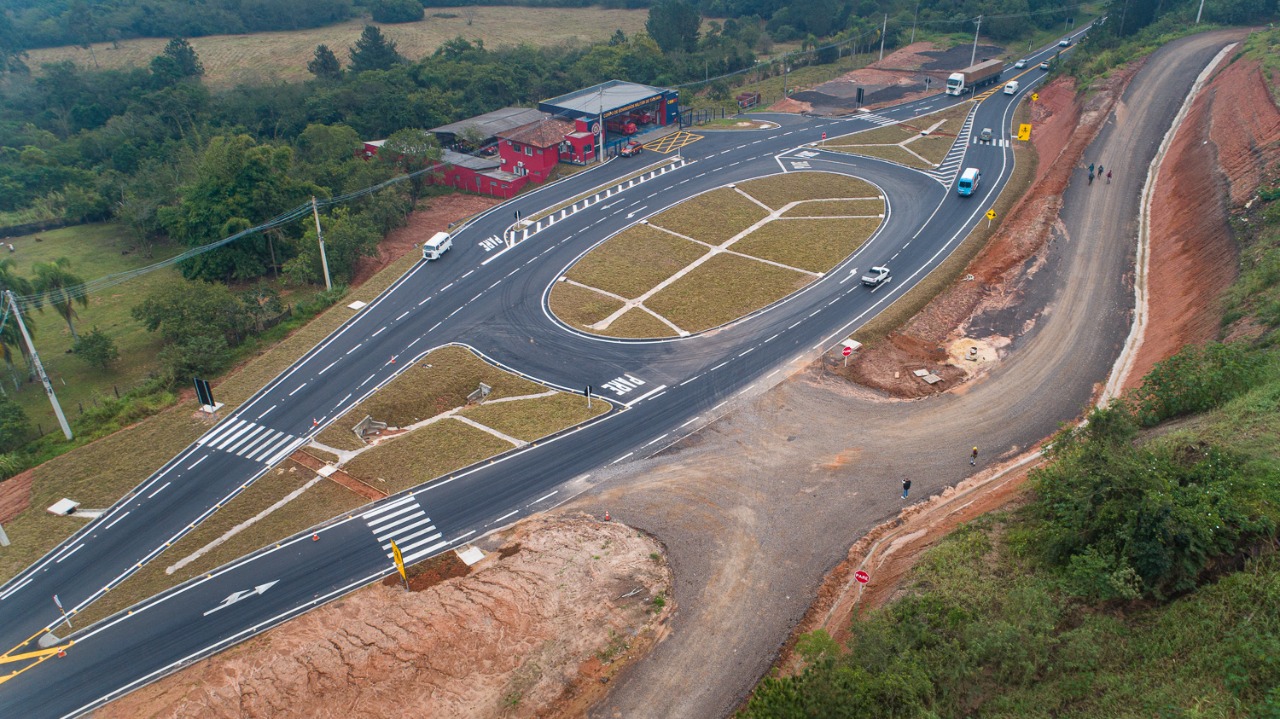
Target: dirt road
(758,507)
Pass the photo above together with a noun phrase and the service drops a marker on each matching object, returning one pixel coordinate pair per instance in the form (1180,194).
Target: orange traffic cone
(393,359)
(315,422)
(62,652)
(315,537)
(606,515)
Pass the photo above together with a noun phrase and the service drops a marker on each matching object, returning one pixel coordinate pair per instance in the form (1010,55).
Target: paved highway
(492,298)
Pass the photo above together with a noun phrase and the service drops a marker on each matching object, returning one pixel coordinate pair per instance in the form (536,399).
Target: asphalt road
(669,389)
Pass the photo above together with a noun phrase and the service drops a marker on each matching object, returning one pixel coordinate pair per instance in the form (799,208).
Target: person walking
(906,487)
(1099,169)
(973,458)
(1108,177)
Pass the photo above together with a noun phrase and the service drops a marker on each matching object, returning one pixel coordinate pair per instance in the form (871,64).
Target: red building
(533,150)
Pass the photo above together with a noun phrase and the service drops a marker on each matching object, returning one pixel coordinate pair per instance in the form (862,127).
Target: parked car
(631,149)
(876,276)
(1020,64)
(985,135)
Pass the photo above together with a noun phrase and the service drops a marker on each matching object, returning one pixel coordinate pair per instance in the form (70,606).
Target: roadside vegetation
(1138,576)
(906,143)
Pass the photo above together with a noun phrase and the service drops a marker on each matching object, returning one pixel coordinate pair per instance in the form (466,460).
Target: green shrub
(1196,379)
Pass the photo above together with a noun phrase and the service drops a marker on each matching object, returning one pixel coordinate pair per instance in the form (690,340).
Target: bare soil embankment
(537,628)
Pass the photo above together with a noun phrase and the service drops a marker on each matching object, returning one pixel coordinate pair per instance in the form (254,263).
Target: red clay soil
(900,67)
(433,216)
(15,495)
(1231,134)
(338,477)
(1063,129)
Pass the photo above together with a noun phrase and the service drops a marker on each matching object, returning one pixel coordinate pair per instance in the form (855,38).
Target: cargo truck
(984,73)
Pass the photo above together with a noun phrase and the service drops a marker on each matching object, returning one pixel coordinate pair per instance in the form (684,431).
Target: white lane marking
(696,376)
(68,554)
(545,496)
(220,432)
(436,325)
(353,349)
(644,396)
(771,374)
(387,507)
(658,439)
(505,516)
(117,519)
(236,445)
(344,399)
(326,369)
(442,289)
(686,424)
(628,454)
(771,339)
(266,450)
(16,587)
(402,315)
(245,450)
(380,331)
(469,273)
(158,491)
(414,342)
(720,405)
(228,440)
(424,302)
(713,369)
(473,299)
(366,381)
(304,384)
(264,414)
(198,461)
(744,354)
(495,284)
(454,312)
(795,325)
(373,521)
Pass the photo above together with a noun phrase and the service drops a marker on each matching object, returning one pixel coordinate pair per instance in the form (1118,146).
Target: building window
(528,150)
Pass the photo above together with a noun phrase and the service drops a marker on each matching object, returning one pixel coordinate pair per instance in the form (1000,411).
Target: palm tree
(10,336)
(63,289)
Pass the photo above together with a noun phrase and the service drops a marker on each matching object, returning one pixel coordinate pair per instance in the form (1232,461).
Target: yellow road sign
(1024,132)
(991,214)
(1035,96)
(395,551)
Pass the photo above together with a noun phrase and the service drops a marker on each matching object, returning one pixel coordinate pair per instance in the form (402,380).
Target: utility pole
(324,262)
(974,57)
(914,20)
(35,362)
(1198,12)
(883,29)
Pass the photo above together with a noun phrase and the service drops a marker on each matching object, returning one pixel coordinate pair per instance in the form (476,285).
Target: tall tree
(673,24)
(176,63)
(325,64)
(12,47)
(412,150)
(62,289)
(10,335)
(373,51)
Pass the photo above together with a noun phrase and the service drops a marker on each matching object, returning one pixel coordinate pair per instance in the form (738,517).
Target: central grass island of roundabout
(718,256)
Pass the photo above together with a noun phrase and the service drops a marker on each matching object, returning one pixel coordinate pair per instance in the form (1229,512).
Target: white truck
(984,73)
(439,243)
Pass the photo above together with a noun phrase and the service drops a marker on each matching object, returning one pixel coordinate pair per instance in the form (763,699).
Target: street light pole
(324,262)
(35,362)
(974,57)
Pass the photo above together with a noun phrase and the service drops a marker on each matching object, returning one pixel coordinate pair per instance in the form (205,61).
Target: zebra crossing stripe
(411,558)
(231,438)
(244,451)
(262,456)
(387,507)
(220,432)
(257,430)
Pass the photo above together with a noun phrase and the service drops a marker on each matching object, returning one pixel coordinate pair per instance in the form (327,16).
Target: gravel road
(758,507)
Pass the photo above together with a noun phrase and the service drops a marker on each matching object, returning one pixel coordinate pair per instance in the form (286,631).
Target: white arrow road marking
(237,596)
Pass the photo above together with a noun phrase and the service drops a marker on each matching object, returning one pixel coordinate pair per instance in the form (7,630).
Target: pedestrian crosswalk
(877,120)
(949,168)
(249,440)
(405,522)
(995,142)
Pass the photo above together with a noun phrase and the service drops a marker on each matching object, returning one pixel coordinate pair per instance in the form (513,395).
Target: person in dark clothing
(906,487)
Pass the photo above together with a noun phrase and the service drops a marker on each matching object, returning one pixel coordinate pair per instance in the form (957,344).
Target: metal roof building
(492,123)
(611,98)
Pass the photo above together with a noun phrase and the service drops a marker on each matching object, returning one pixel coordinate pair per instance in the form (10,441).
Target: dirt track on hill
(758,507)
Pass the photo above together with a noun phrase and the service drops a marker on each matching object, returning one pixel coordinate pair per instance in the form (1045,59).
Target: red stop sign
(847,351)
(861,576)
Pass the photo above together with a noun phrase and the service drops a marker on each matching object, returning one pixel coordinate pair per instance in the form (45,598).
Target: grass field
(532,419)
(580,307)
(424,454)
(438,383)
(95,251)
(837,208)
(778,190)
(636,323)
(321,501)
(633,261)
(887,142)
(283,56)
(814,245)
(712,217)
(723,289)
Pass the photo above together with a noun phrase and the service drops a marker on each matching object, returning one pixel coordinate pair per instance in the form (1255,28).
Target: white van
(1011,87)
(968,183)
(436,246)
